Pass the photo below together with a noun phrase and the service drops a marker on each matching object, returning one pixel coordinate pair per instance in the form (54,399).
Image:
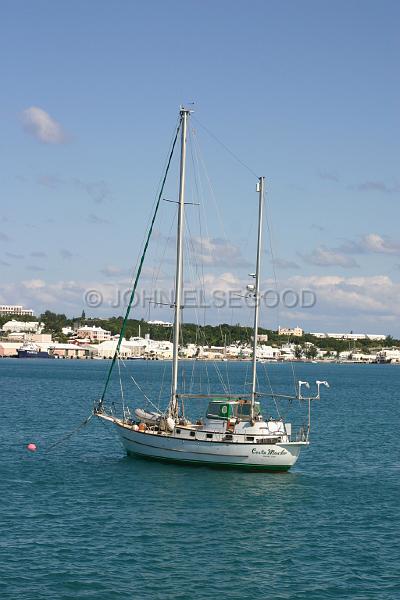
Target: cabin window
(228,436)
(209,435)
(177,431)
(243,410)
(249,438)
(192,433)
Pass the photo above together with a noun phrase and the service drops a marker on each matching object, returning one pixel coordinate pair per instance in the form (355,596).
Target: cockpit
(225,409)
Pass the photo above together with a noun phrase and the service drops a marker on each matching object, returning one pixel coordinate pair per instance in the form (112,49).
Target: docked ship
(31,350)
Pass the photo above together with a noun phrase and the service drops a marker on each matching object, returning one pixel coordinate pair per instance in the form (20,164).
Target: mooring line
(70,434)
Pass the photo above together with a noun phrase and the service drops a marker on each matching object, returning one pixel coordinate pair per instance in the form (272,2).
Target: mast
(260,190)
(173,406)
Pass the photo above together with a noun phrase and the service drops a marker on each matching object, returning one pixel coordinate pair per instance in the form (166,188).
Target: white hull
(251,456)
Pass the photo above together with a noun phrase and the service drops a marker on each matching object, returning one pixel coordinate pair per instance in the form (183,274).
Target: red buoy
(31,447)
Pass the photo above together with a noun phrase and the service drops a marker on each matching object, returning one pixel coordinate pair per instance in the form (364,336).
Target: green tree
(53,322)
(298,351)
(311,352)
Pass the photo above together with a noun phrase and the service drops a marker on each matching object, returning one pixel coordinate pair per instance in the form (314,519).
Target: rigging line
(239,160)
(162,258)
(268,221)
(124,323)
(201,162)
(200,194)
(272,391)
(139,388)
(160,183)
(194,268)
(223,338)
(191,246)
(163,375)
(70,434)
(294,377)
(245,377)
(199,213)
(122,389)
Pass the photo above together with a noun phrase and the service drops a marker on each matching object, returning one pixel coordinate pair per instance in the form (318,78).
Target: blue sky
(305,93)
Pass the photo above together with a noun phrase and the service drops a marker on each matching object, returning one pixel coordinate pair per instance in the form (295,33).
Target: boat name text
(269,452)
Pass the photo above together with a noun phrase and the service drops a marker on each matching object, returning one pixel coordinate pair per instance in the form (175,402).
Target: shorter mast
(260,190)
(173,406)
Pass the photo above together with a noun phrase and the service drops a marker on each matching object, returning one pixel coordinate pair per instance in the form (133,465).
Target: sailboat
(233,432)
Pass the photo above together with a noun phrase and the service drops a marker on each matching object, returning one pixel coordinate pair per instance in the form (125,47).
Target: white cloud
(376,186)
(217,252)
(323,256)
(370,243)
(375,243)
(38,123)
(113,271)
(224,282)
(349,303)
(282,263)
(353,296)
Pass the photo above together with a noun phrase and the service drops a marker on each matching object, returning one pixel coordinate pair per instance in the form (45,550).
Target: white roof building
(160,323)
(14,326)
(128,349)
(350,336)
(136,347)
(268,352)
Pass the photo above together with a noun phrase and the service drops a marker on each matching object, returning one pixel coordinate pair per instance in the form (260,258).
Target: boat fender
(170,423)
(142,427)
(135,427)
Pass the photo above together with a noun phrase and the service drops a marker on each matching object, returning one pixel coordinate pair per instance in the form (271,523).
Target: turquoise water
(84,521)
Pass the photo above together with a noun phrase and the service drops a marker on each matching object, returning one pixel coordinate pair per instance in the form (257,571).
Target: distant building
(15,309)
(94,334)
(268,353)
(9,349)
(71,351)
(295,332)
(350,336)
(388,355)
(160,323)
(262,337)
(14,326)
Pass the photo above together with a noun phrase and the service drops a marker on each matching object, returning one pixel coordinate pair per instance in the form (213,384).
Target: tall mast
(260,190)
(173,406)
